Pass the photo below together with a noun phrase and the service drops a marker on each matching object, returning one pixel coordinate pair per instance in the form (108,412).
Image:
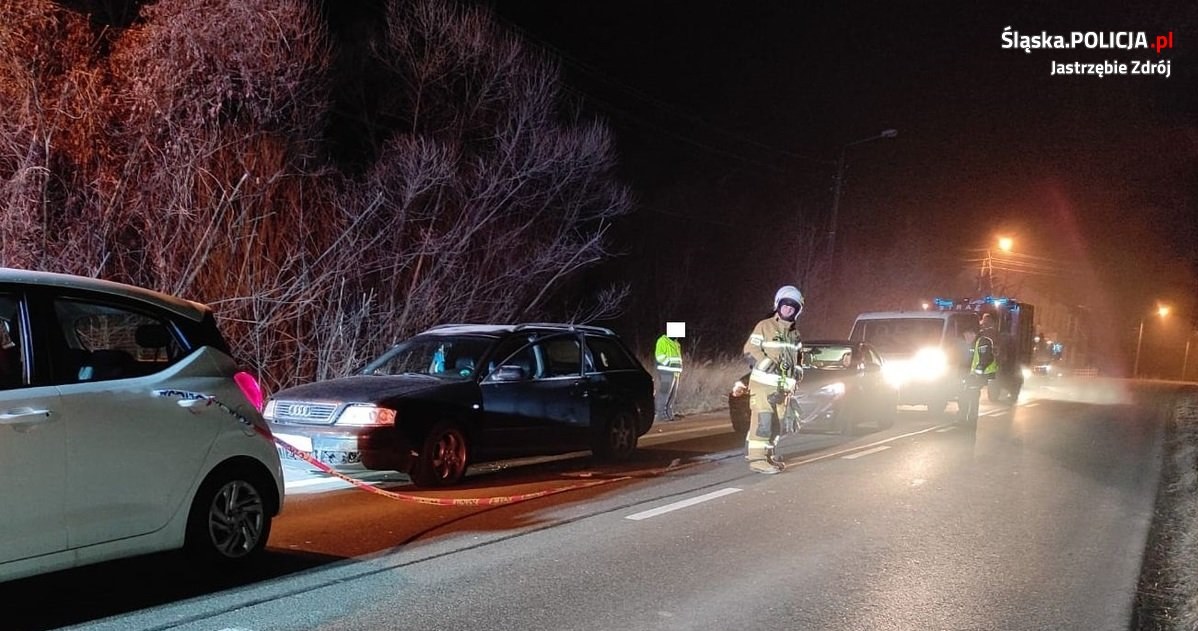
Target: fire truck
(925,352)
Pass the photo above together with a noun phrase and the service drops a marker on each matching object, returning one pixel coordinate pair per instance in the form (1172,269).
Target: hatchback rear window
(108,342)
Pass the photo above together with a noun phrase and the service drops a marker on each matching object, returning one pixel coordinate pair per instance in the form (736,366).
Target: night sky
(729,118)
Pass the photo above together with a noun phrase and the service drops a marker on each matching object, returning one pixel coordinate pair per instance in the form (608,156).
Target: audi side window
(12,354)
(562,356)
(515,351)
(103,342)
(607,355)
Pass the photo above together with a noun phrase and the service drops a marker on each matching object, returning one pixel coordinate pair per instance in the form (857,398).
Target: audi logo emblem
(300,410)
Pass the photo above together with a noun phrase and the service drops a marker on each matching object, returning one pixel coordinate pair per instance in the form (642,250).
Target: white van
(921,350)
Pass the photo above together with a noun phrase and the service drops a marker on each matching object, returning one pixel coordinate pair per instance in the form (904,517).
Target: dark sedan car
(842,388)
(459,394)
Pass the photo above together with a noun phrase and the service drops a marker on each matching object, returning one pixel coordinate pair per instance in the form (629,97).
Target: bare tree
(189,152)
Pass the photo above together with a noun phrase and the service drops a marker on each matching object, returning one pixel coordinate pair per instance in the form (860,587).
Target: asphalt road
(1036,520)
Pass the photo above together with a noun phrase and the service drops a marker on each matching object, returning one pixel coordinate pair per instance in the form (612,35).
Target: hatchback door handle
(24,416)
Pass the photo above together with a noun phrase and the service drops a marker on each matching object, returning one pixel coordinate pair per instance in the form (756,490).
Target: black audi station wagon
(467,393)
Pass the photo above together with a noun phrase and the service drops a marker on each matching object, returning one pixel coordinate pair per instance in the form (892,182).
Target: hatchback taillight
(250,388)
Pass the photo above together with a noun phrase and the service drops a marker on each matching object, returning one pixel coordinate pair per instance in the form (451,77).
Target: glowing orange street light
(986,274)
(1162,311)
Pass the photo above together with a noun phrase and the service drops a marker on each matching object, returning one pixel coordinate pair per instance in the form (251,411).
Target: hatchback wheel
(615,438)
(443,458)
(229,520)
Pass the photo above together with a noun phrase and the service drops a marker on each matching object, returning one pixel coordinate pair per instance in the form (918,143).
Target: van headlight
(929,364)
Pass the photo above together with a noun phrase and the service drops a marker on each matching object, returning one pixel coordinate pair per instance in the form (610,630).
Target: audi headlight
(268,412)
(362,414)
(835,389)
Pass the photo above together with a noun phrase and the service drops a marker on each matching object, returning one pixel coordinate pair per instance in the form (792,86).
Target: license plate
(302,443)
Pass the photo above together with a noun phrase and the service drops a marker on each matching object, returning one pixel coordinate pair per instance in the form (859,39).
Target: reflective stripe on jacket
(668,353)
(778,341)
(983,355)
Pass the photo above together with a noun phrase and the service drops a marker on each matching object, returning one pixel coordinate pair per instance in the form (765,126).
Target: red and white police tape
(194,400)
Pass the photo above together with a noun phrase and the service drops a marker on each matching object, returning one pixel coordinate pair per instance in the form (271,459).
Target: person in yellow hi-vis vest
(983,366)
(668,355)
(773,352)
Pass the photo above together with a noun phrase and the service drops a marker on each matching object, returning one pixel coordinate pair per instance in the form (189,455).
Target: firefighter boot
(764,466)
(774,458)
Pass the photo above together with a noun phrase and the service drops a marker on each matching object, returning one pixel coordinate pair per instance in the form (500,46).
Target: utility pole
(840,163)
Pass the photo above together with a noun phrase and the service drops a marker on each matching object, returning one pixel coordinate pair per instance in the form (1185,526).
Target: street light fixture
(1161,311)
(1005,244)
(888,133)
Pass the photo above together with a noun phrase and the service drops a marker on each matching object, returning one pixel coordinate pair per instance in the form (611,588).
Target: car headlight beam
(835,389)
(929,364)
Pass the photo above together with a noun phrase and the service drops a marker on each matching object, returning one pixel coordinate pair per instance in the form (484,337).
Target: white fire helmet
(791,293)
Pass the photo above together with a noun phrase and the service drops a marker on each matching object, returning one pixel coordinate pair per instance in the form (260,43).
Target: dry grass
(705,384)
(1168,590)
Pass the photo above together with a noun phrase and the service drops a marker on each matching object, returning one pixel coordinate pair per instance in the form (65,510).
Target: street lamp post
(889,133)
(1185,360)
(1162,311)
(987,272)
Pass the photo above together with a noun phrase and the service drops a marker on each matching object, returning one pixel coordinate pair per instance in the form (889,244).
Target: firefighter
(983,366)
(773,352)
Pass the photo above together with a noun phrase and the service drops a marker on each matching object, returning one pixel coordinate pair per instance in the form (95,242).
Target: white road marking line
(318,481)
(866,452)
(309,482)
(946,429)
(1031,405)
(859,447)
(682,504)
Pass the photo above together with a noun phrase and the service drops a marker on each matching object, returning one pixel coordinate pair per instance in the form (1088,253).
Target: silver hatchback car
(125,428)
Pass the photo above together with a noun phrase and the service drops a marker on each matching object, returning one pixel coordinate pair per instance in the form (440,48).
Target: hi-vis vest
(778,341)
(669,354)
(979,348)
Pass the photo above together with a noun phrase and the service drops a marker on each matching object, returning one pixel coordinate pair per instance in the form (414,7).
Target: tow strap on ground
(472,501)
(193,401)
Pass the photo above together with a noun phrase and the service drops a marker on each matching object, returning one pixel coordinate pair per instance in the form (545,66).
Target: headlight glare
(895,373)
(835,389)
(929,364)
